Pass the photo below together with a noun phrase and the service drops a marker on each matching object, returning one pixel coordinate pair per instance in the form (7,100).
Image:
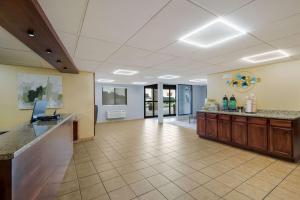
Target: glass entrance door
(150,101)
(169,94)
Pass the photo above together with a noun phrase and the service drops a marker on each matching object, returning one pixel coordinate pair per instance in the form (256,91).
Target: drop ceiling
(141,35)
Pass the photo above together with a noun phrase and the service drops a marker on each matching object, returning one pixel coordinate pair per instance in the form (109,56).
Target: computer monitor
(39,109)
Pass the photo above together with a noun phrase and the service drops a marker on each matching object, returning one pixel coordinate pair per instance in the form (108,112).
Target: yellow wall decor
(279,88)
(78,92)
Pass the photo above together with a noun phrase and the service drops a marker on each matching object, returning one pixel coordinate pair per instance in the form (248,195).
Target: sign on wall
(46,87)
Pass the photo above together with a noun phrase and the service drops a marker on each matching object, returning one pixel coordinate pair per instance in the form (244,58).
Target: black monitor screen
(39,109)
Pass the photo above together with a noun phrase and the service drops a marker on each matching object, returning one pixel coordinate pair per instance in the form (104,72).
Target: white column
(160,105)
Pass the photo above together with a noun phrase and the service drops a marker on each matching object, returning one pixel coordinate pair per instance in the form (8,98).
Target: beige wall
(279,87)
(78,97)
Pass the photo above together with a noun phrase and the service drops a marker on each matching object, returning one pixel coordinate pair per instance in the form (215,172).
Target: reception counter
(275,133)
(34,157)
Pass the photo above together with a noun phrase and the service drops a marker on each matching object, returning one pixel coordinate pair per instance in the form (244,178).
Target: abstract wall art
(33,86)
(242,81)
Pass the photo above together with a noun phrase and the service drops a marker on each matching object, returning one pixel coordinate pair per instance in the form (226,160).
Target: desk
(34,158)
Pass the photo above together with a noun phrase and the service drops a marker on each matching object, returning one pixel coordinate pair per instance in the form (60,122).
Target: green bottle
(232,103)
(225,102)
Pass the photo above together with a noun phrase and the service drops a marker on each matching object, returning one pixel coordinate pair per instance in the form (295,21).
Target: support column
(160,105)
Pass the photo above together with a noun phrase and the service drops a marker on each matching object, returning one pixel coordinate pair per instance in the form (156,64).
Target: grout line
(124,43)
(280,182)
(81,25)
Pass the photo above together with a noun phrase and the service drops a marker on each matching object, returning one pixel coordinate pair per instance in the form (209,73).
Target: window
(114,96)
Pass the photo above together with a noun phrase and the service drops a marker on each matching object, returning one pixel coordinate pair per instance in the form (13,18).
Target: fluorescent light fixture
(266,56)
(168,77)
(213,33)
(139,83)
(125,72)
(100,80)
(200,80)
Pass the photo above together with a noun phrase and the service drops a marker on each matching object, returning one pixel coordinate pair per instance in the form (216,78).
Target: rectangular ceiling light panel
(266,56)
(100,80)
(168,77)
(213,33)
(125,72)
(139,83)
(200,80)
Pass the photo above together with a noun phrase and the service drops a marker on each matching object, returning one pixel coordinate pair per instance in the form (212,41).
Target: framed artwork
(33,86)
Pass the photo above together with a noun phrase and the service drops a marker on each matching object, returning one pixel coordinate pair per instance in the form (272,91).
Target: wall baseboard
(118,120)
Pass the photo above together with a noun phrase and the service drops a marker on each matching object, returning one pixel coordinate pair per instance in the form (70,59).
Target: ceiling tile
(219,8)
(86,65)
(152,60)
(177,63)
(69,41)
(96,50)
(287,42)
(65,15)
(179,49)
(117,21)
(279,29)
(126,55)
(175,20)
(10,42)
(260,13)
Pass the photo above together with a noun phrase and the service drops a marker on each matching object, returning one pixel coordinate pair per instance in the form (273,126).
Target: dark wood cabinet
(224,128)
(239,133)
(276,137)
(280,138)
(211,127)
(258,137)
(201,124)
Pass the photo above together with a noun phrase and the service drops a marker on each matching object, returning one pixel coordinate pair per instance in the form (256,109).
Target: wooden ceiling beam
(26,20)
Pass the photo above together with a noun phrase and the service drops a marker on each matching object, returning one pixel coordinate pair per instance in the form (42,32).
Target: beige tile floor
(143,160)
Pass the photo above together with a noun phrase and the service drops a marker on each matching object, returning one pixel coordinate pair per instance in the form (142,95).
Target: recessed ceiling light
(200,80)
(168,77)
(125,72)
(48,51)
(266,56)
(213,33)
(139,83)
(31,33)
(100,80)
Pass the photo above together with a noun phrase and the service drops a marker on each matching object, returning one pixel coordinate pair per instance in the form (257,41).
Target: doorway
(151,101)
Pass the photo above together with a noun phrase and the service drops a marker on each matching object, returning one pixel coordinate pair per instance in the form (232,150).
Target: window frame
(114,88)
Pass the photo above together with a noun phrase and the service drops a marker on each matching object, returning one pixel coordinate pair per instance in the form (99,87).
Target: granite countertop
(274,114)
(25,135)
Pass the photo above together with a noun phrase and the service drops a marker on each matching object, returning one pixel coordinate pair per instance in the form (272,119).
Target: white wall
(135,102)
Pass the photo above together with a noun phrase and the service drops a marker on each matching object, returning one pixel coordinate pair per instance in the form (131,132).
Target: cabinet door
(224,130)
(258,137)
(211,128)
(201,126)
(280,141)
(239,133)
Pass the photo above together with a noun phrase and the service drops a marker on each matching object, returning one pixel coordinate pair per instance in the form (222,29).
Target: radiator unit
(116,114)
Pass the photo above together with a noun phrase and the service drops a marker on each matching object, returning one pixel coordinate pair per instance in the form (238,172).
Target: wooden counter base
(37,172)
(275,137)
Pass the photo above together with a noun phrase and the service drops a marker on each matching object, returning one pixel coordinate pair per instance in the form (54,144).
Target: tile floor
(143,160)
